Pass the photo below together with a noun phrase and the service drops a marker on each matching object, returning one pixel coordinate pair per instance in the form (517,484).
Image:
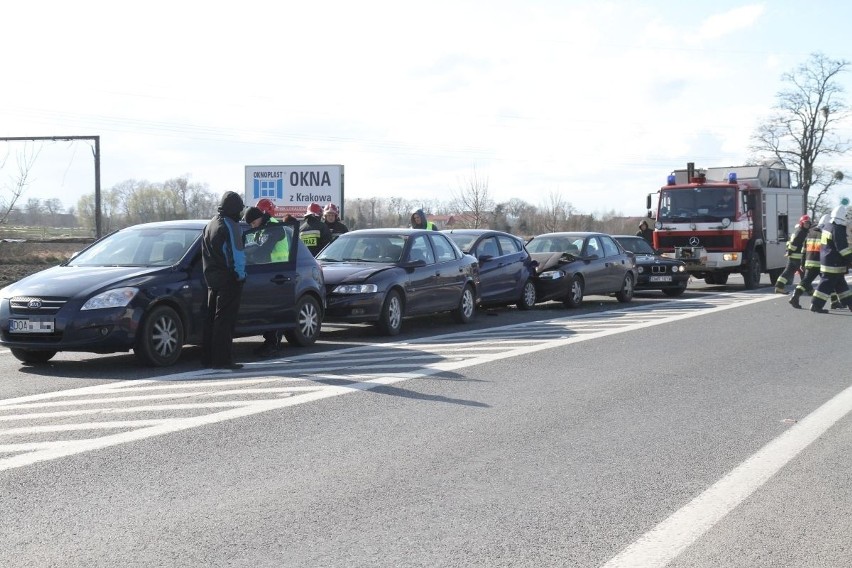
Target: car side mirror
(485,257)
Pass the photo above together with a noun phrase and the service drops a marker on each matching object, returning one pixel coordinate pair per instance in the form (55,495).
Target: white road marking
(667,540)
(555,333)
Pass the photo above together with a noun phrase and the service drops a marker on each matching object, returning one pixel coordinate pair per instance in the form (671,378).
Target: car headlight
(356,289)
(679,268)
(641,269)
(117,298)
(551,275)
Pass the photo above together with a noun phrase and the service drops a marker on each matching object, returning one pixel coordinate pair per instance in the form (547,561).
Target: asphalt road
(712,430)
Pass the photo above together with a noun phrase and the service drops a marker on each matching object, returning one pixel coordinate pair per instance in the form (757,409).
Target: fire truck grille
(706,241)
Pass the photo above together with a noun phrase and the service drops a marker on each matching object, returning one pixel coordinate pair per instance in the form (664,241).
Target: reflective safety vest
(812,246)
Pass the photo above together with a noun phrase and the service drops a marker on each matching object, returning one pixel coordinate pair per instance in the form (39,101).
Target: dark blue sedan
(142,288)
(506,270)
(384,275)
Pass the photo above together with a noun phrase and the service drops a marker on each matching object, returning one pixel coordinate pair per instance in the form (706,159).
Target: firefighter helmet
(838,215)
(824,221)
(331,208)
(267,206)
(314,209)
(804,219)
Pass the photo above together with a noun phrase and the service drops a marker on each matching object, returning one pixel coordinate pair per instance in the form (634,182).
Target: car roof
(572,234)
(627,237)
(387,231)
(176,224)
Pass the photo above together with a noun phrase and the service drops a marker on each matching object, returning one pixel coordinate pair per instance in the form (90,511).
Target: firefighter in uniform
(811,262)
(331,216)
(834,258)
(313,230)
(794,254)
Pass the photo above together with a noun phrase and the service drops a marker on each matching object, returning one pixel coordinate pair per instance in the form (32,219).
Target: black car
(142,288)
(572,265)
(384,275)
(656,272)
(506,269)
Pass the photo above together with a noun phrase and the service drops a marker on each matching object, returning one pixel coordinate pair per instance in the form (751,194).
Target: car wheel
(32,357)
(390,318)
(751,275)
(626,292)
(575,293)
(527,300)
(672,292)
(308,323)
(467,306)
(160,339)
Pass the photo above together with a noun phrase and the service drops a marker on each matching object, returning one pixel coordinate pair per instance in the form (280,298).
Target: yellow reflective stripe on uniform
(822,296)
(847,251)
(832,269)
(811,264)
(796,255)
(845,295)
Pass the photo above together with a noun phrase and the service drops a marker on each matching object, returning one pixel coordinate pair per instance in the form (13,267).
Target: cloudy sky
(593,101)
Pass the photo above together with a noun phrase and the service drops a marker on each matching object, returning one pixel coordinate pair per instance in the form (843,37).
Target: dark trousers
(806,284)
(789,273)
(222,307)
(832,282)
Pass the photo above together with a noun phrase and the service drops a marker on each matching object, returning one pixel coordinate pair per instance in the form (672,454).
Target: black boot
(794,300)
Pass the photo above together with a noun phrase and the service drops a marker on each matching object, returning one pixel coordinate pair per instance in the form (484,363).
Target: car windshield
(139,247)
(351,247)
(636,246)
(464,242)
(571,245)
(699,204)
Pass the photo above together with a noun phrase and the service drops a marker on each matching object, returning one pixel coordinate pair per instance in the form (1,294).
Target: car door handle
(280,279)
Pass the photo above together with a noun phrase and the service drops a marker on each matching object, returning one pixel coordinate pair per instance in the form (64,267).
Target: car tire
(467,306)
(390,317)
(674,292)
(574,299)
(626,293)
(32,357)
(527,299)
(160,339)
(308,323)
(751,275)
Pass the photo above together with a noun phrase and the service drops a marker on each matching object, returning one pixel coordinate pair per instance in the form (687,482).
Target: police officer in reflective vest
(313,230)
(834,258)
(794,254)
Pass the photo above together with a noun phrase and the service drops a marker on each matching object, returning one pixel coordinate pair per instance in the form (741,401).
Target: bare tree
(473,201)
(803,128)
(19,182)
(554,213)
(825,180)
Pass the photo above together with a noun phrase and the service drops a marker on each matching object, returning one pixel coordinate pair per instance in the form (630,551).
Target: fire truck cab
(727,220)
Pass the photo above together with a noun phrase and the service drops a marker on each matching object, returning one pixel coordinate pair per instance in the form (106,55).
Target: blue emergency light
(732,177)
(670,180)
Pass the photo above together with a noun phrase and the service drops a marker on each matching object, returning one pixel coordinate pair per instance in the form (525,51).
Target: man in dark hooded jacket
(418,221)
(224,264)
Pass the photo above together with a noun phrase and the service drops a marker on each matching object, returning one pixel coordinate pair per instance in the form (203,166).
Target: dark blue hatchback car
(142,288)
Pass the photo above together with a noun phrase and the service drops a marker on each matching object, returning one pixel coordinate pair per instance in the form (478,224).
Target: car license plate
(661,278)
(31,325)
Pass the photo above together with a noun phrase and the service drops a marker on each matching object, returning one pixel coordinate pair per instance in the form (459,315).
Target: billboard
(294,188)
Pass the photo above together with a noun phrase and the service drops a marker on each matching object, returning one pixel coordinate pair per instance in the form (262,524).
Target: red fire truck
(727,220)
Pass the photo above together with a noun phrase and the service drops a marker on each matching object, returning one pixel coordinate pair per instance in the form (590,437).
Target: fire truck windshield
(699,204)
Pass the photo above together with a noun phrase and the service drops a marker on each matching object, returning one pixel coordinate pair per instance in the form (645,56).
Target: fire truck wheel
(751,275)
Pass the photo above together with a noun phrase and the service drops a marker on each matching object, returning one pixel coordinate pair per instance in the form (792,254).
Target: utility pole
(96,151)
